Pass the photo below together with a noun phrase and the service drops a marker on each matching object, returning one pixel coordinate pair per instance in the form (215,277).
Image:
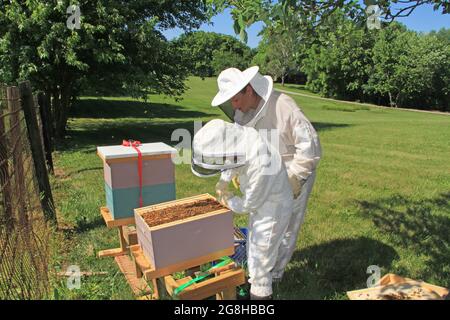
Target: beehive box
(200,239)
(120,164)
(395,287)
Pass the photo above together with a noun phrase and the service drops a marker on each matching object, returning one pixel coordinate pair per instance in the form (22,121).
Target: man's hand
(221,187)
(296,184)
(224,197)
(229,200)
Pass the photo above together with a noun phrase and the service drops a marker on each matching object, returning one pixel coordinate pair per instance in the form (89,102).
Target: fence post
(29,110)
(16,149)
(5,182)
(44,109)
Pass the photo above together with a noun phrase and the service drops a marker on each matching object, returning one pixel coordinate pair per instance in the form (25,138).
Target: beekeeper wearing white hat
(235,150)
(248,98)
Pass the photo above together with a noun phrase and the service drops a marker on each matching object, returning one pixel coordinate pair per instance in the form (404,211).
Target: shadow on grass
(81,225)
(106,134)
(324,126)
(83,170)
(112,109)
(329,269)
(419,225)
(103,133)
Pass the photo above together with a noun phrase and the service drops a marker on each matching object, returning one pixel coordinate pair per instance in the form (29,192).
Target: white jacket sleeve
(307,146)
(259,186)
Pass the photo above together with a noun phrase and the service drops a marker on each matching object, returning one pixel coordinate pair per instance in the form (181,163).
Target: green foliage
(345,60)
(337,62)
(244,13)
(310,14)
(119,48)
(410,69)
(391,66)
(442,35)
(278,51)
(209,53)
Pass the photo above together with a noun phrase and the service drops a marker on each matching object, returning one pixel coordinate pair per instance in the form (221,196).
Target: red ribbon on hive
(135,145)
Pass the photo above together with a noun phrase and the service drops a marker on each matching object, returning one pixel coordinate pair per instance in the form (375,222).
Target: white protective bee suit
(267,198)
(295,139)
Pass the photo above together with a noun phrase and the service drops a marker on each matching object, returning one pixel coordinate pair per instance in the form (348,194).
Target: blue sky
(423,19)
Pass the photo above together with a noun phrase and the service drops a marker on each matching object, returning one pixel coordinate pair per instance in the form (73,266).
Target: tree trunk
(397,99)
(63,115)
(391,101)
(282,80)
(56,108)
(61,104)
(48,93)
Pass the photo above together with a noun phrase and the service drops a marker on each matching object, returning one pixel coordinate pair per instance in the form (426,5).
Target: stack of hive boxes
(122,186)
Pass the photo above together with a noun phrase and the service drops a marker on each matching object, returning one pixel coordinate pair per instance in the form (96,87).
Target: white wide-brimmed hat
(231,81)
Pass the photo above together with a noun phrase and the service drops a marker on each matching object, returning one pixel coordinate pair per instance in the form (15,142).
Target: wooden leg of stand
(137,269)
(117,251)
(228,294)
(123,243)
(155,289)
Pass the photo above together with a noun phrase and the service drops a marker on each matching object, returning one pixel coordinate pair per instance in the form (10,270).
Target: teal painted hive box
(121,173)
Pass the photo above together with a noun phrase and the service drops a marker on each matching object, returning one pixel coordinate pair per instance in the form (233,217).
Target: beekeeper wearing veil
(238,151)
(248,99)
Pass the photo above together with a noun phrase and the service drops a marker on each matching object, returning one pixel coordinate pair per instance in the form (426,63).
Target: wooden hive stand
(222,283)
(127,238)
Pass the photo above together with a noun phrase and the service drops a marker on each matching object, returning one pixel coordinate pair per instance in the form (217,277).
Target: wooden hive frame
(390,279)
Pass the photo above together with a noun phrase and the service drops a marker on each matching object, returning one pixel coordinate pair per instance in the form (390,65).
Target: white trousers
(267,228)
(289,241)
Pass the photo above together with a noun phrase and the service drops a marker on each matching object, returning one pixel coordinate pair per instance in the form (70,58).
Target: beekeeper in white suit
(248,98)
(234,150)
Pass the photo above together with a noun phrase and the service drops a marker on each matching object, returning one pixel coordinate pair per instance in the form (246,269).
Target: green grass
(381,196)
(297,88)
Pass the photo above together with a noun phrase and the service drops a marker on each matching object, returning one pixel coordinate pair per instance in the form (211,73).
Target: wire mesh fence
(24,232)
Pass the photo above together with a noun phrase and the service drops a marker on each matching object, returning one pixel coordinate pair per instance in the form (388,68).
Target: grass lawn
(382,194)
(298,88)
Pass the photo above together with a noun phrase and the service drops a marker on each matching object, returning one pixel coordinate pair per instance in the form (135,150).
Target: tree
(412,69)
(119,47)
(312,13)
(210,52)
(231,53)
(429,75)
(442,35)
(336,62)
(391,61)
(277,55)
(200,47)
(278,52)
